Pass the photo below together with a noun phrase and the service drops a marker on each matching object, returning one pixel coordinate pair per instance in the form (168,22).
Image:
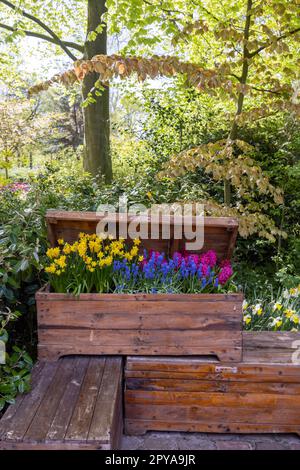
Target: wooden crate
(75,404)
(140,324)
(162,324)
(260,394)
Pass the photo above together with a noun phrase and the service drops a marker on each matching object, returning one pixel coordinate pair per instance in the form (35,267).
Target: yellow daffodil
(134,251)
(137,241)
(257,309)
(60,241)
(53,252)
(295,291)
(109,261)
(247,319)
(277,306)
(245,305)
(50,269)
(289,313)
(140,258)
(295,319)
(277,322)
(61,262)
(67,249)
(81,248)
(74,247)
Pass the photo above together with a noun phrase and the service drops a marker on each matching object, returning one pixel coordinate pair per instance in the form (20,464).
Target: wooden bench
(260,394)
(75,404)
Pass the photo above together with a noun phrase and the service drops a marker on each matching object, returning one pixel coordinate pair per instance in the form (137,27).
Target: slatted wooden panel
(219,232)
(75,403)
(140,324)
(197,394)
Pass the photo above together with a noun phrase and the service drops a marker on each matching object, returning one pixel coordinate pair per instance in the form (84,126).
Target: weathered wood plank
(65,409)
(105,411)
(44,295)
(57,342)
(146,315)
(83,412)
(18,425)
(12,409)
(42,420)
(270,346)
(179,339)
(208,414)
(138,427)
(192,385)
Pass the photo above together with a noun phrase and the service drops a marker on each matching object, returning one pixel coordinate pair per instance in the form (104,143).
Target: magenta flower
(225,274)
(209,258)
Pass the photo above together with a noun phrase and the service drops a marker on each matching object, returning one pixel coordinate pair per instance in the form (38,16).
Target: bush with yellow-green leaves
(282,312)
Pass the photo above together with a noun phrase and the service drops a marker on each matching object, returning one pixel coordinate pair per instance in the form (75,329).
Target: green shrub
(15,371)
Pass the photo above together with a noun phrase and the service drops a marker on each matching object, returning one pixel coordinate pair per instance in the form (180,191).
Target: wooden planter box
(260,394)
(146,324)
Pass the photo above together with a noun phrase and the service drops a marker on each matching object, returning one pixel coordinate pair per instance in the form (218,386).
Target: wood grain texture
(68,399)
(167,324)
(197,395)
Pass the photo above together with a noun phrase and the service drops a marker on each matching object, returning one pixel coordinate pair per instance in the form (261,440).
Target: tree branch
(265,90)
(42,25)
(264,46)
(35,34)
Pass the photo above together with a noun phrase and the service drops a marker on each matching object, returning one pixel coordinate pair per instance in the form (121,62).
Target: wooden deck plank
(108,393)
(64,411)
(18,425)
(39,426)
(12,409)
(79,425)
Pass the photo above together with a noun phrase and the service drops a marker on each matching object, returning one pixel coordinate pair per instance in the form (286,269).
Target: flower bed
(93,264)
(107,298)
(282,312)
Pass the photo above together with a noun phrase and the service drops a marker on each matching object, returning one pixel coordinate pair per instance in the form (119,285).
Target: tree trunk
(243,80)
(97,158)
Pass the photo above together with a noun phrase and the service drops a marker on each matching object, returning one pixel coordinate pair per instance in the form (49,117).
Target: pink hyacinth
(205,269)
(209,258)
(225,274)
